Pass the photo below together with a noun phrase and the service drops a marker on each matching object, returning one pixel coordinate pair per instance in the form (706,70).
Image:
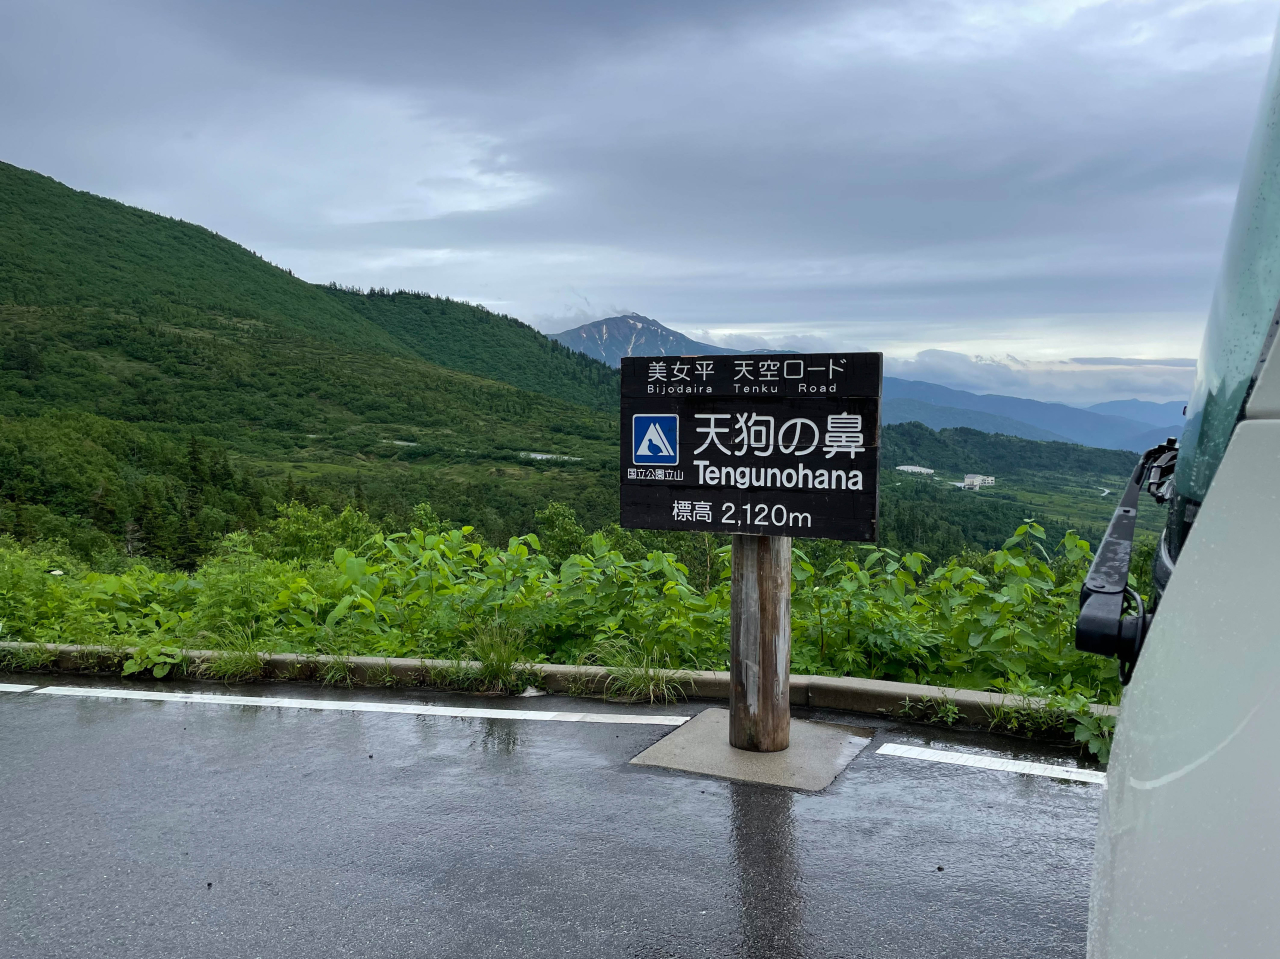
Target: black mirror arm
(1103,627)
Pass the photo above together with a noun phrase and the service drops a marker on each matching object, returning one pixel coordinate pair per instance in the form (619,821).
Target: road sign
(773,445)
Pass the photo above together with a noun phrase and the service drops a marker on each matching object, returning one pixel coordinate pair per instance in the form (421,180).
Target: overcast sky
(1007,185)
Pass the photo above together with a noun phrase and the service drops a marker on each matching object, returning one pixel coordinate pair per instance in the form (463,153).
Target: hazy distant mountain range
(1030,418)
(1157,414)
(1117,424)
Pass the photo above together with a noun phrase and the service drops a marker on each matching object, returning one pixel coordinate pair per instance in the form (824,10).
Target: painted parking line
(993,762)
(411,709)
(14,688)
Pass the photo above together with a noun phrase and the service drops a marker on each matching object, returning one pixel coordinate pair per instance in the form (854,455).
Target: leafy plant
(930,709)
(1036,711)
(1096,733)
(562,536)
(158,659)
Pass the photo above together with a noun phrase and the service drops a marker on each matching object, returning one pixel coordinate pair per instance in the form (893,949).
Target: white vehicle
(1188,853)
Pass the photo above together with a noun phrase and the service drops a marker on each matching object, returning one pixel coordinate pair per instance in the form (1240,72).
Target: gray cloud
(1047,179)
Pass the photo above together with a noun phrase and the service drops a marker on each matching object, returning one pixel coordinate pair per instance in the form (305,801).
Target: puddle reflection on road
(769,897)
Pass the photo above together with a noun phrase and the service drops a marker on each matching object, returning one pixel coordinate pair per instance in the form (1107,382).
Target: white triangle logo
(654,443)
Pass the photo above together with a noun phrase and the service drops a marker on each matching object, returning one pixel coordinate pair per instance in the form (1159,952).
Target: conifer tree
(197,473)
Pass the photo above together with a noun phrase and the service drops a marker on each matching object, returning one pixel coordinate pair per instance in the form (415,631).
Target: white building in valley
(977,480)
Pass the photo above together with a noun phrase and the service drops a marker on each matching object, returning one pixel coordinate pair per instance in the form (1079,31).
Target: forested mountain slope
(964,450)
(64,248)
(474,340)
(1060,485)
(157,328)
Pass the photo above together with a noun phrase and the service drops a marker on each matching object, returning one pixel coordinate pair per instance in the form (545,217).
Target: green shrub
(158,659)
(312,533)
(561,535)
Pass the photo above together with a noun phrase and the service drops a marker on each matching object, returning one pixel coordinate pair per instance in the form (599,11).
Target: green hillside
(964,450)
(63,248)
(137,330)
(474,340)
(269,394)
(68,249)
(1062,485)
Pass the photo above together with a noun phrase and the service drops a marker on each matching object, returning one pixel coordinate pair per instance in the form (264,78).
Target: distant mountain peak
(634,334)
(631,334)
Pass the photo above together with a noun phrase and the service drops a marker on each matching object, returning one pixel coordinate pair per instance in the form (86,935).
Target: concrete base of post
(760,644)
(819,752)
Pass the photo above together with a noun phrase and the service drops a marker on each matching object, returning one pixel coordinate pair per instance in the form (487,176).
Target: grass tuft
(383,675)
(234,666)
(636,673)
(337,672)
(502,651)
(26,659)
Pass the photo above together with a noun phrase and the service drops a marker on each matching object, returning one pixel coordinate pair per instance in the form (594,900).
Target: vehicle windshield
(1244,304)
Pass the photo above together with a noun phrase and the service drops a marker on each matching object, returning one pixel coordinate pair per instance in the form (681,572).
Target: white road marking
(14,688)
(412,709)
(993,762)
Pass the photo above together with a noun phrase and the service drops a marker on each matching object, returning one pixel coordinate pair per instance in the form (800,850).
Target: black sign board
(781,445)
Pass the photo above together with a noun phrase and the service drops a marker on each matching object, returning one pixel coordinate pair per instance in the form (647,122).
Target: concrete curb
(875,696)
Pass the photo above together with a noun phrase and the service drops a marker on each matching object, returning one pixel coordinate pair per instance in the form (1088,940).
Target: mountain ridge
(937,406)
(472,339)
(1156,414)
(905,410)
(1076,425)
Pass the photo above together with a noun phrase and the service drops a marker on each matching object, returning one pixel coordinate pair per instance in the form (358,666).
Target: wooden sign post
(764,448)
(760,643)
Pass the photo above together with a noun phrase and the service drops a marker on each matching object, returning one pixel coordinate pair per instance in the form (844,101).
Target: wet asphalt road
(146,829)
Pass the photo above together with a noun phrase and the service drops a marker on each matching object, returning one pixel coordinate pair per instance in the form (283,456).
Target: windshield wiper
(1106,597)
